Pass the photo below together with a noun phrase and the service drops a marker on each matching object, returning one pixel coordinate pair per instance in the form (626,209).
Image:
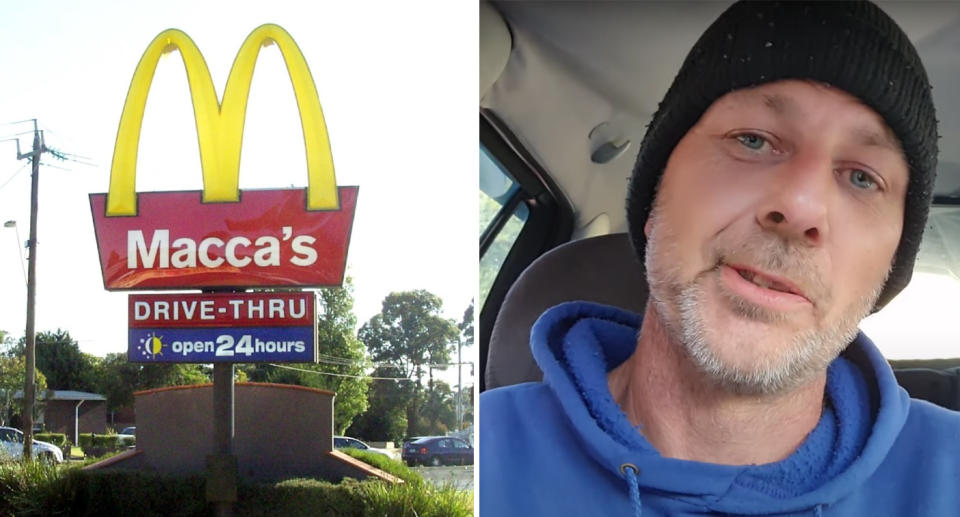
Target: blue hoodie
(563,447)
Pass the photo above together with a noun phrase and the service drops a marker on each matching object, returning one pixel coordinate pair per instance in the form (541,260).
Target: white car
(345,442)
(11,447)
(127,436)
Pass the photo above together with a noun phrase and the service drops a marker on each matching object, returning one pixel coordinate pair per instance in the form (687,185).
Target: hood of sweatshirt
(577,343)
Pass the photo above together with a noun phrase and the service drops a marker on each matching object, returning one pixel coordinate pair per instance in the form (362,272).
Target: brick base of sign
(280,431)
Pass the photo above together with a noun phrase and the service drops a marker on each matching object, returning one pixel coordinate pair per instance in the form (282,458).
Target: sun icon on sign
(152,345)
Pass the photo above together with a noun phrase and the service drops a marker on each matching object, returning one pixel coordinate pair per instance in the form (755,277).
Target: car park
(438,450)
(566,91)
(345,442)
(11,447)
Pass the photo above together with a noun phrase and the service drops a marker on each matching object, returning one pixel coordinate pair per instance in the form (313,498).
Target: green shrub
(386,464)
(33,489)
(102,441)
(119,492)
(109,441)
(302,498)
(86,440)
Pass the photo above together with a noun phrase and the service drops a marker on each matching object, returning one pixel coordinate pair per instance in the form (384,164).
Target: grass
(415,497)
(388,465)
(426,500)
(89,460)
(30,488)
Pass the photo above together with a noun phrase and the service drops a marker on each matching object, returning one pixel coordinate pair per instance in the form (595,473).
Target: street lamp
(13,224)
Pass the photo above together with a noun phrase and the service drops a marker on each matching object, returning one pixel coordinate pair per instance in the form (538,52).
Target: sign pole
(223,474)
(222,464)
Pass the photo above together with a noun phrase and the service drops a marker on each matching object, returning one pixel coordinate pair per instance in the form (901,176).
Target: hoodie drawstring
(630,471)
(818,510)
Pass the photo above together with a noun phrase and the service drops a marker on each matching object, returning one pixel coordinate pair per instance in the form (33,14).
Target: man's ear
(648,225)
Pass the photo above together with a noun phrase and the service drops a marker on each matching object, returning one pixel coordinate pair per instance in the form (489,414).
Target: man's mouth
(767,281)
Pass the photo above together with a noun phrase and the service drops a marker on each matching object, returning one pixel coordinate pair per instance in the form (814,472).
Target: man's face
(773,231)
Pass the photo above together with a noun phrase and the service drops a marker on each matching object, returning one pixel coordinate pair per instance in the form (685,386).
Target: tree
(13,371)
(342,367)
(117,378)
(466,340)
(59,358)
(386,417)
(440,409)
(409,334)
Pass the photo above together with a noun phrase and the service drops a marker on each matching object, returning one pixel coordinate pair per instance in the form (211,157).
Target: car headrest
(598,269)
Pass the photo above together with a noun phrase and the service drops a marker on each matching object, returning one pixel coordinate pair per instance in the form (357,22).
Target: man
(779,197)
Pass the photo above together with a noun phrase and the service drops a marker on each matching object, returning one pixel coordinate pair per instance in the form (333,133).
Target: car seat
(600,269)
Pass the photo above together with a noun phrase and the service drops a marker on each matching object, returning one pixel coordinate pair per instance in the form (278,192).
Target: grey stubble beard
(682,306)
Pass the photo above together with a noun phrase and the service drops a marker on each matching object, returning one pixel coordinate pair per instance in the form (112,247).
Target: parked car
(411,439)
(127,436)
(438,450)
(345,442)
(11,447)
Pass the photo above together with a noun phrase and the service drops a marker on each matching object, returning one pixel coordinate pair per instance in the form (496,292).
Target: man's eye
(862,180)
(752,141)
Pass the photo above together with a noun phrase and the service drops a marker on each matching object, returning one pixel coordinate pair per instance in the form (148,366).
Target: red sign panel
(221,310)
(268,239)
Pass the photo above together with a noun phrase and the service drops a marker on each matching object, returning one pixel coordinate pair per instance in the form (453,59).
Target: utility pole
(29,385)
(459,385)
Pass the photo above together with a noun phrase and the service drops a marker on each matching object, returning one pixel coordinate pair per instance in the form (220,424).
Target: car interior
(566,89)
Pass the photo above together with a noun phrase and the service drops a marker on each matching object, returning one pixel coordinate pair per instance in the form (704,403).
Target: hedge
(106,441)
(38,489)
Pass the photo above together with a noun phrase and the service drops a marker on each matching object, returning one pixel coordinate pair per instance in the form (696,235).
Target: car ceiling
(575,65)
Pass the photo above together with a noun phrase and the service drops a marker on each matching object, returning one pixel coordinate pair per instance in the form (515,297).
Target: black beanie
(853,46)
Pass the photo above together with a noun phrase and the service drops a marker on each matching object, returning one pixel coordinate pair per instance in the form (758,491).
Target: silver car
(11,447)
(345,442)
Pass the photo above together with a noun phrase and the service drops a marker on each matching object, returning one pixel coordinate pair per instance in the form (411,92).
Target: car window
(339,442)
(460,444)
(918,323)
(498,193)
(6,435)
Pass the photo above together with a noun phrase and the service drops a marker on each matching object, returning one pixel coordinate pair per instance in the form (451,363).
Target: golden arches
(220,125)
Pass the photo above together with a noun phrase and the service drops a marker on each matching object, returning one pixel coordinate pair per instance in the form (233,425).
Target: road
(460,476)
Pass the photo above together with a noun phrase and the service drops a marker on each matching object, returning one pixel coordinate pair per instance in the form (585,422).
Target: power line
(345,361)
(18,122)
(14,175)
(342,374)
(45,164)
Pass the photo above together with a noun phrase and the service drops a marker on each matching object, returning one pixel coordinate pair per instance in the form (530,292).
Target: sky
(397,83)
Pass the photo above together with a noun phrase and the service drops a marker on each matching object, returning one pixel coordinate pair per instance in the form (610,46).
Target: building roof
(73,395)
(64,395)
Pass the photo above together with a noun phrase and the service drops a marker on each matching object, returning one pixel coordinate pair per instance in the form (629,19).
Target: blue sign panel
(229,345)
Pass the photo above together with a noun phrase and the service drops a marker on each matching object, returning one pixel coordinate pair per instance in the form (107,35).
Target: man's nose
(796,204)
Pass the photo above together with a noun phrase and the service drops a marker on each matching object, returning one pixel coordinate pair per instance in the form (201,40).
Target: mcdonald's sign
(222,237)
